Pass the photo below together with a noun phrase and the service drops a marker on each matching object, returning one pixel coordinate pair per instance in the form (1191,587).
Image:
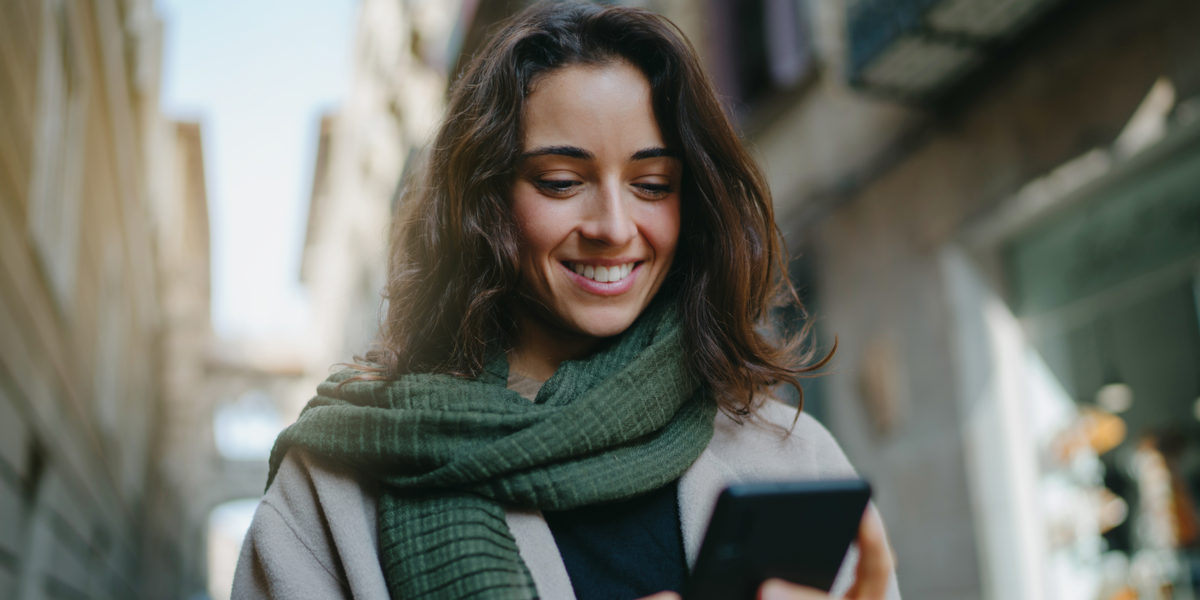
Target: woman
(571,366)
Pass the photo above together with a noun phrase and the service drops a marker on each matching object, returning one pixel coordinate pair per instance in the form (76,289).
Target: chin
(603,326)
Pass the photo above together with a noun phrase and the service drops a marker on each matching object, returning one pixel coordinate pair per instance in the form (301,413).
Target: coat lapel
(698,491)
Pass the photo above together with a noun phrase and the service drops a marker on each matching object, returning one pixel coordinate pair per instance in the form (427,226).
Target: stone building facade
(104,290)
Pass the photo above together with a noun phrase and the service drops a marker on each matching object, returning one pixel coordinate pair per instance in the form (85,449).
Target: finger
(778,589)
(874,559)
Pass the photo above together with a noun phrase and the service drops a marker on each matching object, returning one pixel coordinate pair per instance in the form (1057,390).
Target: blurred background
(994,205)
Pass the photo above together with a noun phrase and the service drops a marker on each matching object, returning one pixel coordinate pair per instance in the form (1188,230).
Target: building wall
(82,308)
(181,434)
(878,252)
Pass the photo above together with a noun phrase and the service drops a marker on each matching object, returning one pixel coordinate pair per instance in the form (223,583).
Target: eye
(654,190)
(557,187)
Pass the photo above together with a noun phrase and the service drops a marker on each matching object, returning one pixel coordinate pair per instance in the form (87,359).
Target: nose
(609,220)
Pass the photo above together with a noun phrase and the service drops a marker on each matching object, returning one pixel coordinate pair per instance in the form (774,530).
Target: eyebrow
(645,153)
(568,151)
(580,153)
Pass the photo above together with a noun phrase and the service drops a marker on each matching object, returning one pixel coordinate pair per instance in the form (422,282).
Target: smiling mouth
(602,274)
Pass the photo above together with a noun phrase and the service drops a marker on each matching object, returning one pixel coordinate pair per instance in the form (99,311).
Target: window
(759,48)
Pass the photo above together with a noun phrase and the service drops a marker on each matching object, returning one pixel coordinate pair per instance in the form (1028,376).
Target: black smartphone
(798,531)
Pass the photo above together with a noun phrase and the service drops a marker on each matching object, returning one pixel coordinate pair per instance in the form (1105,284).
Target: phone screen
(798,531)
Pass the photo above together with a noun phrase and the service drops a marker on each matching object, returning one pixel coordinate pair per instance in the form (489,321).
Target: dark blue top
(623,550)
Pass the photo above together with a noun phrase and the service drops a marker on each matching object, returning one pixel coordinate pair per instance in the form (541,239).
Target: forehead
(599,108)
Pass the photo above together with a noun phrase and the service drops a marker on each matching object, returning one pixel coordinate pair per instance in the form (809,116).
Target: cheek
(540,227)
(660,225)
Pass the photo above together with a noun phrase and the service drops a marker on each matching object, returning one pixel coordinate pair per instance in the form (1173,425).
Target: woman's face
(596,197)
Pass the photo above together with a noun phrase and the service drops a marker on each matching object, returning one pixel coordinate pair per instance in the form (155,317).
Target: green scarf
(450,453)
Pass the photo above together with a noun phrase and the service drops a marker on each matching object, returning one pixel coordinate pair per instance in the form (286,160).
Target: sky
(257,74)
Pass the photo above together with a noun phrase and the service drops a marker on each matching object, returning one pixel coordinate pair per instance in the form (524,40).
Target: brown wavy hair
(453,263)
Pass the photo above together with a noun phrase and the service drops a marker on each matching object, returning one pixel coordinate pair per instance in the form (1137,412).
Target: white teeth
(603,274)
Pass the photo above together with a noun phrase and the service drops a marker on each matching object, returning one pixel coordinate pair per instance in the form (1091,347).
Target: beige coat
(314,534)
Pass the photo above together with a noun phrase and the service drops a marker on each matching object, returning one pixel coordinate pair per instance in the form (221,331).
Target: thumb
(875,559)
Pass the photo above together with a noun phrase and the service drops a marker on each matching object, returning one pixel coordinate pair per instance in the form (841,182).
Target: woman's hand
(870,581)
(871,578)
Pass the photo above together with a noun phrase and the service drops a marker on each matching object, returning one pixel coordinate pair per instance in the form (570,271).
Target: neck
(542,347)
